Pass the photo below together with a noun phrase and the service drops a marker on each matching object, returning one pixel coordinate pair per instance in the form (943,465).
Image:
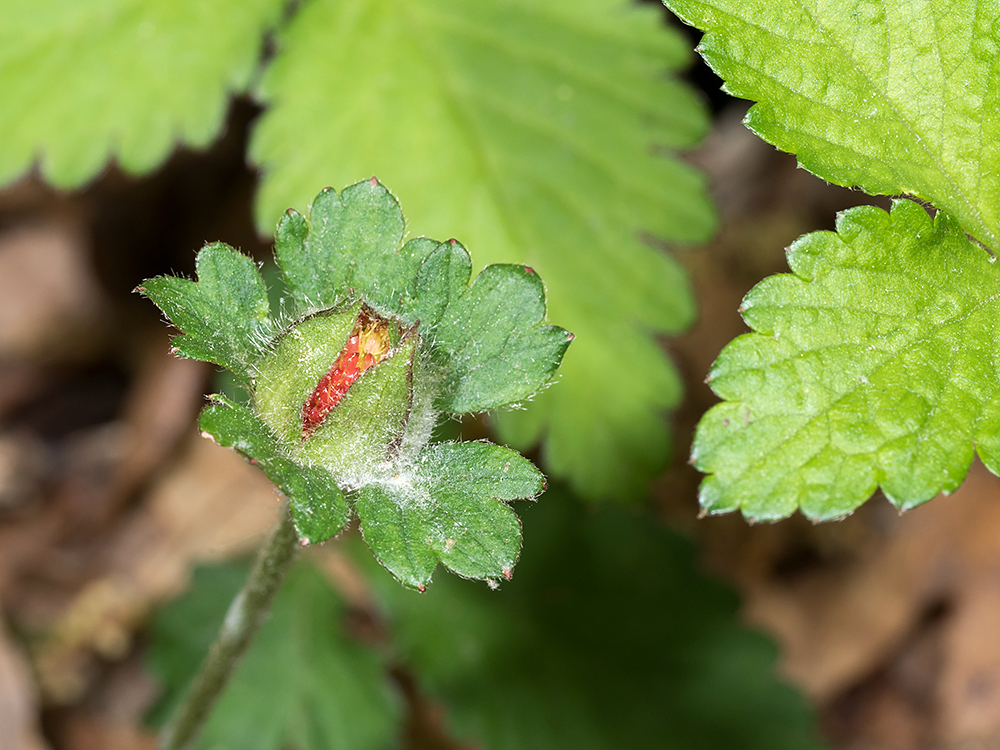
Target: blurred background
(883,626)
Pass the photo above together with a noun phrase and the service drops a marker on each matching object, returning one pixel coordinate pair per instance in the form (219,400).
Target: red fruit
(368,344)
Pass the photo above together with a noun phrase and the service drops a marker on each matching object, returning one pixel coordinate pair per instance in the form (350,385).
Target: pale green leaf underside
(303,683)
(84,82)
(875,364)
(527,129)
(450,509)
(897,97)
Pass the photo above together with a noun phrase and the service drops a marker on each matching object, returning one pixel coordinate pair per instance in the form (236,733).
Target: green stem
(242,620)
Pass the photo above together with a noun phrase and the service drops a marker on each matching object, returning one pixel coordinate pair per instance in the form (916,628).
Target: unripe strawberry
(337,388)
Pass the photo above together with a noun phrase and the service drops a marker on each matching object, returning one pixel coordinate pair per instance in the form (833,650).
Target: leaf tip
(507,573)
(421,588)
(373,181)
(529,270)
(208,435)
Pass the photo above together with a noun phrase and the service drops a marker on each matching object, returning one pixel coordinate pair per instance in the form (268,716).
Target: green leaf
(350,243)
(441,280)
(302,684)
(874,364)
(528,129)
(895,97)
(487,338)
(84,82)
(224,316)
(450,508)
(607,638)
(496,349)
(357,232)
(318,506)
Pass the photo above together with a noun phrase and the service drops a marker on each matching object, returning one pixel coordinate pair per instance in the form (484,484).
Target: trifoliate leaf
(224,316)
(607,638)
(318,506)
(86,82)
(895,97)
(302,684)
(449,508)
(874,364)
(538,131)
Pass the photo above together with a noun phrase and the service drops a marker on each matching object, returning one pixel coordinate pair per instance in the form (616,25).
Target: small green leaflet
(302,684)
(85,82)
(452,343)
(225,315)
(318,506)
(896,97)
(875,364)
(539,132)
(452,509)
(356,233)
(491,340)
(608,638)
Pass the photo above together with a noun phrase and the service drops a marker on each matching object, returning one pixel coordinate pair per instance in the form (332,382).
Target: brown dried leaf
(49,298)
(161,405)
(18,701)
(969,688)
(212,506)
(853,627)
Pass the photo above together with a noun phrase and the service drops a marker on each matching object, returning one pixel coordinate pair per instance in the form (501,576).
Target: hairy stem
(242,620)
